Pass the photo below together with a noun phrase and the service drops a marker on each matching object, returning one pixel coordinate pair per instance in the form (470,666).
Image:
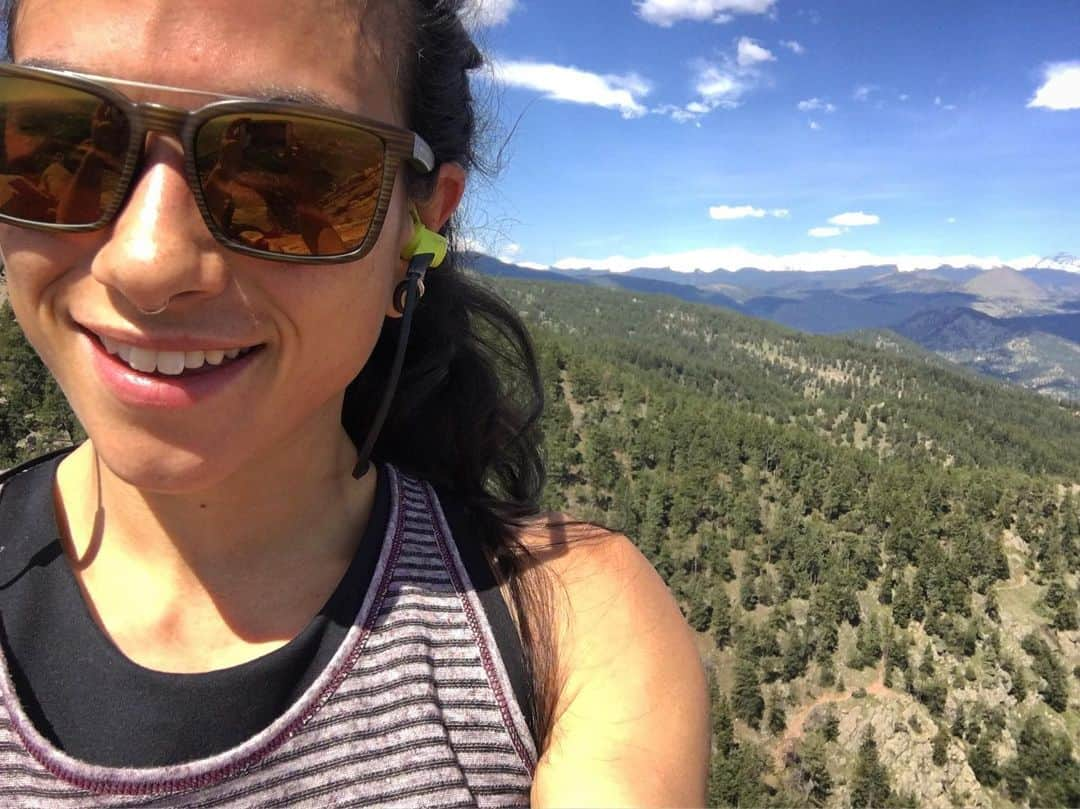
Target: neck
(239,567)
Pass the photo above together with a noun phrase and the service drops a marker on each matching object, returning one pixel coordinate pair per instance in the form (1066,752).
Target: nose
(159,253)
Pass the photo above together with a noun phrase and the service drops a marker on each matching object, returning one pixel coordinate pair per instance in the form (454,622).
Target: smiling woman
(224,231)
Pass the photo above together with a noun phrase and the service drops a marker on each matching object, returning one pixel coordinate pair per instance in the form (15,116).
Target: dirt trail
(797,721)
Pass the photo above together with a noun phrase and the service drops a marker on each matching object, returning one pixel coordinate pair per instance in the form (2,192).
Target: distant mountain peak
(1004,282)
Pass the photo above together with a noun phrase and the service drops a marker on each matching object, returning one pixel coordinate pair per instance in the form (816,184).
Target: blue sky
(708,133)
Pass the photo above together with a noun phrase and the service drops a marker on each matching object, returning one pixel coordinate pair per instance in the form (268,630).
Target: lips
(159,376)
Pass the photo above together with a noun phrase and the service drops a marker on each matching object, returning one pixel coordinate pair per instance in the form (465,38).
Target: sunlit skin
(209,535)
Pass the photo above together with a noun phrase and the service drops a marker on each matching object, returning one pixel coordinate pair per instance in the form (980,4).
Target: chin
(153,464)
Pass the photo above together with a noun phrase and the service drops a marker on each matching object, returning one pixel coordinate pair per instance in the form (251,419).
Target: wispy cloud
(794,46)
(666,13)
(816,104)
(751,53)
(722,83)
(855,219)
(1060,89)
(939,103)
(824,232)
(729,212)
(623,93)
(863,92)
(814,125)
(485,13)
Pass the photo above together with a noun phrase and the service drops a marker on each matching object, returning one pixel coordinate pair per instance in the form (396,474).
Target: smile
(171,363)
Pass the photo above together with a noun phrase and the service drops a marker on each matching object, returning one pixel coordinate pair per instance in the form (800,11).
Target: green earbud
(424,241)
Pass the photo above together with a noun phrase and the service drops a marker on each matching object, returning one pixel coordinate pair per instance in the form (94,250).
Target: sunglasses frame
(400,146)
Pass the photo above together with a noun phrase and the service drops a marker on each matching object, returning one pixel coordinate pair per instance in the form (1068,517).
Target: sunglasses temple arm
(418,266)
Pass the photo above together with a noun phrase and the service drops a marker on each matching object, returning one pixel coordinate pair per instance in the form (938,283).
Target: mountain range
(1022,326)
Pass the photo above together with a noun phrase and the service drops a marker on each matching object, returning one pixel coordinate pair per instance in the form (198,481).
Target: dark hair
(466,414)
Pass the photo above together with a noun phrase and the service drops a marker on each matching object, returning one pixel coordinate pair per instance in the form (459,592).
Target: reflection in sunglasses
(289,186)
(62,157)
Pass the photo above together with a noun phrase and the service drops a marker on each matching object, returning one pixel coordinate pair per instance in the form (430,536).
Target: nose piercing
(152,312)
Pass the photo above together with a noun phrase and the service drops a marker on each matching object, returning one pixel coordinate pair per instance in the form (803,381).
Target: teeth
(144,360)
(169,363)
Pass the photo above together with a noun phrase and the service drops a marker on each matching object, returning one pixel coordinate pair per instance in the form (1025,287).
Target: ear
(435,211)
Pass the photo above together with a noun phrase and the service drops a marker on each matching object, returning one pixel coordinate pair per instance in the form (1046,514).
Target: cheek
(38,271)
(337,320)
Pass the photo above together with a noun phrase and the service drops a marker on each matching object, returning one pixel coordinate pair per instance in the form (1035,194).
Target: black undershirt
(89,700)
(85,696)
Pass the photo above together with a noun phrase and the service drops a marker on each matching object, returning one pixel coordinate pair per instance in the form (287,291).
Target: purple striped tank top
(415,709)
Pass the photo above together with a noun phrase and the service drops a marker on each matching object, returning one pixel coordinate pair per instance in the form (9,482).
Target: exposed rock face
(904,732)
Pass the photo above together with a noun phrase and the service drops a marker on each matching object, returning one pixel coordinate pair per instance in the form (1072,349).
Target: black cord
(418,266)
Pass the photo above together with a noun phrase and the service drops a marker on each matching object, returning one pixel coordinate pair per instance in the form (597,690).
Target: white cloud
(824,233)
(864,91)
(812,104)
(1060,89)
(750,53)
(904,97)
(721,84)
(793,46)
(724,212)
(951,220)
(666,13)
(510,252)
(729,212)
(855,220)
(939,103)
(485,13)
(719,87)
(569,84)
(814,125)
(712,258)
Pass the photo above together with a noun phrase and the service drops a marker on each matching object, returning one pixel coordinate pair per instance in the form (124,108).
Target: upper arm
(631,722)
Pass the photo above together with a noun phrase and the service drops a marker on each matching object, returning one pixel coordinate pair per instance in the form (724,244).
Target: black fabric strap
(491,599)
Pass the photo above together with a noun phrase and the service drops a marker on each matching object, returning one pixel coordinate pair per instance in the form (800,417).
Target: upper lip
(169,342)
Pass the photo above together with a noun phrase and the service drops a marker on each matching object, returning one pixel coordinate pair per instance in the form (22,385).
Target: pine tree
(983,762)
(940,753)
(830,725)
(813,772)
(959,725)
(777,718)
(870,786)
(722,620)
(746,700)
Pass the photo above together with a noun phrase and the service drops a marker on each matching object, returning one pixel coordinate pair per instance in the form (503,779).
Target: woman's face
(314,326)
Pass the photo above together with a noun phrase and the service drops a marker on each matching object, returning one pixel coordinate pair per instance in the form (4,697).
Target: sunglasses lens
(289,184)
(62,153)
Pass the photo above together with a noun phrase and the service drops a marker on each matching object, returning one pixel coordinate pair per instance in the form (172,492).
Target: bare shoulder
(631,719)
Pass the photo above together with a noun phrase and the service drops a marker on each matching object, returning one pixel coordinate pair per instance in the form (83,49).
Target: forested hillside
(879,553)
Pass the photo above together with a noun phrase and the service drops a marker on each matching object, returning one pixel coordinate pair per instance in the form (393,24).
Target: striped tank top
(415,709)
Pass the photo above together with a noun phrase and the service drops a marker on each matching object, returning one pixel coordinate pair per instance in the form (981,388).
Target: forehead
(320,46)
